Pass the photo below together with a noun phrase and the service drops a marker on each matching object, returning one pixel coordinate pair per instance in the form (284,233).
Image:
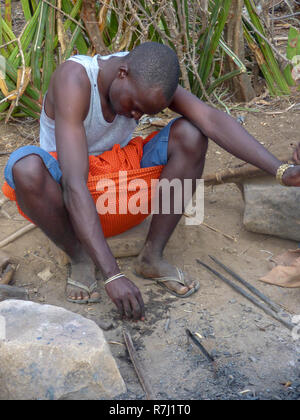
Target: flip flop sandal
(180,279)
(90,290)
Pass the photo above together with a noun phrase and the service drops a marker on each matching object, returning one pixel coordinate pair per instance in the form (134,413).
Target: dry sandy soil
(254,352)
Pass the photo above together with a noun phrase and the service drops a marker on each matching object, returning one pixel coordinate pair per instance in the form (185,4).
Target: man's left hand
(291,177)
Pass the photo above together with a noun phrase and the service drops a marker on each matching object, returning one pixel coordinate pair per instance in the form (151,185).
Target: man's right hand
(127,297)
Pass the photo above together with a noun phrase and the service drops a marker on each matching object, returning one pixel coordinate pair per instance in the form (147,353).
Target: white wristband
(115,277)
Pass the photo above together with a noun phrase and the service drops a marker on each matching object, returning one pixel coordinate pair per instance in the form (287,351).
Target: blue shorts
(155,153)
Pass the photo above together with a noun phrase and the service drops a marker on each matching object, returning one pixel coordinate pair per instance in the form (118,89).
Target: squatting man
(92,104)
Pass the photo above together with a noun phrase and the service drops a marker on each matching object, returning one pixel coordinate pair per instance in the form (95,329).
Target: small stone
(241,119)
(45,275)
(248,310)
(106,325)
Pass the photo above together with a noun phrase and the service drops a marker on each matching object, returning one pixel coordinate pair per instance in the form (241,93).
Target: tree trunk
(240,85)
(88,15)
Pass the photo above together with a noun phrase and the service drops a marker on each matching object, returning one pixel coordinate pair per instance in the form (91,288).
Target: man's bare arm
(71,93)
(224,131)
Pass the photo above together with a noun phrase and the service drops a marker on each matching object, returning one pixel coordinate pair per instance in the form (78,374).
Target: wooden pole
(16,235)
(237,174)
(138,367)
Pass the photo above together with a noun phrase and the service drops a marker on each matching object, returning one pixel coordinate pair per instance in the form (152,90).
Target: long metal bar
(241,291)
(276,308)
(200,345)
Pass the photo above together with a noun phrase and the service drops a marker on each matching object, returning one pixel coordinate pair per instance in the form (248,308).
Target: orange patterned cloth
(104,171)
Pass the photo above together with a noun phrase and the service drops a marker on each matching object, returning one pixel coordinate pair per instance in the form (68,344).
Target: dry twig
(17,235)
(137,365)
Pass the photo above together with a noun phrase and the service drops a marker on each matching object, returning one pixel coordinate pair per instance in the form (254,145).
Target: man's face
(128,99)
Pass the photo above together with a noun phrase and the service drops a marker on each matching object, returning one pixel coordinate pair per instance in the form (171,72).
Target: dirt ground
(254,352)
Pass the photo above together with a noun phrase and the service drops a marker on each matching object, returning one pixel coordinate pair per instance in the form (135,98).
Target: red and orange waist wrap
(104,170)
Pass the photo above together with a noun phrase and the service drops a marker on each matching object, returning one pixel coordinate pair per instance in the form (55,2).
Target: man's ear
(123,71)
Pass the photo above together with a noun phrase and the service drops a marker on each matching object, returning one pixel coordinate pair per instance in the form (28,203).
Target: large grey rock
(49,353)
(272,209)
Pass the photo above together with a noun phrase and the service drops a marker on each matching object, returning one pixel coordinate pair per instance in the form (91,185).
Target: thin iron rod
(200,345)
(276,308)
(241,291)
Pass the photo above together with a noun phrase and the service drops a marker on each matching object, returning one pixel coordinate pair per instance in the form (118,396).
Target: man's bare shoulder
(69,83)
(71,72)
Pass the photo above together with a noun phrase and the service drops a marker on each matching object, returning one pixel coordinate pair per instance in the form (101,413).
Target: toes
(176,287)
(192,285)
(75,295)
(78,295)
(183,290)
(179,288)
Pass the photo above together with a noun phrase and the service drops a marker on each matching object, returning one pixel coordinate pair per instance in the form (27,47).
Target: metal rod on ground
(137,366)
(249,286)
(200,345)
(238,289)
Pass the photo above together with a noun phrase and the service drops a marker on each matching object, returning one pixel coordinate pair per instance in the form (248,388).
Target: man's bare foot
(150,267)
(82,273)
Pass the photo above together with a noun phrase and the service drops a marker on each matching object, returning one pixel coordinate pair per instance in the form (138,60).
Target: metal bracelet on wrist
(281,171)
(115,277)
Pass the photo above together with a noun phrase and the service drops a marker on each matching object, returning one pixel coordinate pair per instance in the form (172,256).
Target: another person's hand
(127,297)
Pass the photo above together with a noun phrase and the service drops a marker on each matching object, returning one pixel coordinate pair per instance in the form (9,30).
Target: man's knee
(189,139)
(28,174)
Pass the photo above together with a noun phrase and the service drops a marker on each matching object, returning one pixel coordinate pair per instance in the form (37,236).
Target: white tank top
(101,135)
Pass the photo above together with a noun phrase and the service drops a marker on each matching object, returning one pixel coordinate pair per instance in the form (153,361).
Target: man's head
(147,80)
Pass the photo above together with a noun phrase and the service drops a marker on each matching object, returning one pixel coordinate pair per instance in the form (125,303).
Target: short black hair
(155,65)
